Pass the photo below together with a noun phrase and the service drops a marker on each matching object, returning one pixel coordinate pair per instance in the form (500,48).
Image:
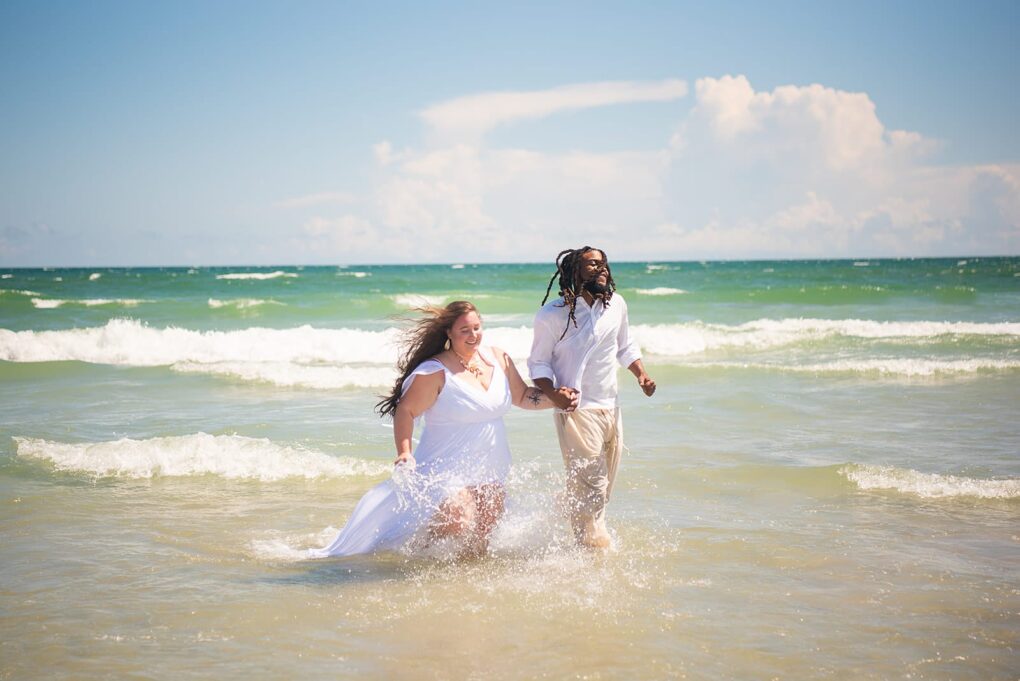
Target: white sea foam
(357,275)
(228,456)
(661,291)
(52,303)
(129,342)
(20,292)
(456,267)
(256,275)
(928,485)
(653,268)
(894,367)
(418,300)
(6,276)
(44,304)
(241,303)
(697,337)
(95,275)
(291,375)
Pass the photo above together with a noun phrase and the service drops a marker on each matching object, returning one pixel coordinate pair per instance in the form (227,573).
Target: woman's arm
(523,395)
(416,401)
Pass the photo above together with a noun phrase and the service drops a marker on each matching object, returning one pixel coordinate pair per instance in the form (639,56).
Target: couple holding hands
(450,490)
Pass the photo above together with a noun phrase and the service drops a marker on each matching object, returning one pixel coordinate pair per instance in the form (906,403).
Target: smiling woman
(448,495)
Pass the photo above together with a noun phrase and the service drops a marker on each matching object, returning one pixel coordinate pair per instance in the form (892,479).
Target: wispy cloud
(474,115)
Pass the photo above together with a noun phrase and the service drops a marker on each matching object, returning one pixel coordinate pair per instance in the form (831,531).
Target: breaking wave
(52,303)
(698,337)
(893,367)
(228,456)
(241,303)
(257,275)
(928,485)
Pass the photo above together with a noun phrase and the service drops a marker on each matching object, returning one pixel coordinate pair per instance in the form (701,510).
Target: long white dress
(463,444)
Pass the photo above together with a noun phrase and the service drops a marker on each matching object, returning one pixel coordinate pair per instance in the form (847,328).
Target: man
(579,338)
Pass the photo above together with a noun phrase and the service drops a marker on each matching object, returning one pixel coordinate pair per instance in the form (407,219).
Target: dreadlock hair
(424,339)
(568,269)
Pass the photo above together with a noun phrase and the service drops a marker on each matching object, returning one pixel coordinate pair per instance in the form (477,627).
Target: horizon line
(519,262)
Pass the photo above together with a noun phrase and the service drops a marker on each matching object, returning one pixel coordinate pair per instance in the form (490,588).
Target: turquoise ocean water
(826,484)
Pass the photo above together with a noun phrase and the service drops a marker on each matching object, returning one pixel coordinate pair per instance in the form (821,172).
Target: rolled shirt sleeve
(628,350)
(542,344)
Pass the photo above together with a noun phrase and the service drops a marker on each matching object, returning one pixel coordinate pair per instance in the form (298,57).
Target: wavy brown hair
(424,339)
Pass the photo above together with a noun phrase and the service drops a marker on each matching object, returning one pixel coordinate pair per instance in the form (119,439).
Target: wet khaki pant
(591,441)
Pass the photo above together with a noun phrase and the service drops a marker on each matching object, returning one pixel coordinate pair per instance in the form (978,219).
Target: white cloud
(471,116)
(801,171)
(743,161)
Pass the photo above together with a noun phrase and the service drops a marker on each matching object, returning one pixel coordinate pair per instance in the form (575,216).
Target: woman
(450,490)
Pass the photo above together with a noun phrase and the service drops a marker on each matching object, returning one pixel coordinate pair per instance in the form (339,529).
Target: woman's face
(466,333)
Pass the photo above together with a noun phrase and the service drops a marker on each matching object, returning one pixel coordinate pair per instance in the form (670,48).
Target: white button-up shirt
(587,356)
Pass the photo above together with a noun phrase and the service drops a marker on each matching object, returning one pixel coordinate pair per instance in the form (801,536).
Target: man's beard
(593,287)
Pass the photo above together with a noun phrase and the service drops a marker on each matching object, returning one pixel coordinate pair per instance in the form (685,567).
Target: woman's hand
(404,458)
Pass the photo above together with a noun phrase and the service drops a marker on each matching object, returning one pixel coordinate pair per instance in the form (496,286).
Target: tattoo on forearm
(535,396)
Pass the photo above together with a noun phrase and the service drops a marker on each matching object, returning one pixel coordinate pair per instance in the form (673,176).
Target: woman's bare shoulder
(500,355)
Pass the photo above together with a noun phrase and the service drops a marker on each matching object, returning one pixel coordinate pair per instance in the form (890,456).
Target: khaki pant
(591,441)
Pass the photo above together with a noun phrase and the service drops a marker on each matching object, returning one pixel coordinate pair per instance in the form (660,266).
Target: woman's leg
(470,514)
(456,516)
(489,506)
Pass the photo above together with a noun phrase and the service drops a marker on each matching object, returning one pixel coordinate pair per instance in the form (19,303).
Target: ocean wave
(905,367)
(291,375)
(241,303)
(132,343)
(19,292)
(356,275)
(53,303)
(928,485)
(228,456)
(661,291)
(418,300)
(257,275)
(95,275)
(698,337)
(6,276)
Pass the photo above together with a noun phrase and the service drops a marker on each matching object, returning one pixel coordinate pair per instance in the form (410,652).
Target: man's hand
(565,398)
(646,383)
(562,398)
(404,458)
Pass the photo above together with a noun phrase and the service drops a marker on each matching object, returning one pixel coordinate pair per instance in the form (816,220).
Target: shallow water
(821,488)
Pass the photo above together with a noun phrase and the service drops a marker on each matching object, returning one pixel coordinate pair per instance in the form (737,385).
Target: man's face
(593,275)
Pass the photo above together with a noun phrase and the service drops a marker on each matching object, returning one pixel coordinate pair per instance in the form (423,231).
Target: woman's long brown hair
(425,339)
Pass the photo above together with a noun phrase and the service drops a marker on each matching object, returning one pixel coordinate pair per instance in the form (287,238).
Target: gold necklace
(469,365)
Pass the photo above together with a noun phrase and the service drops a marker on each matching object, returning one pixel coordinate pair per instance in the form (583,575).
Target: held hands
(647,384)
(565,398)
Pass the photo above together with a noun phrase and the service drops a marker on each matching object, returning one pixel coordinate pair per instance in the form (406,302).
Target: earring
(446,345)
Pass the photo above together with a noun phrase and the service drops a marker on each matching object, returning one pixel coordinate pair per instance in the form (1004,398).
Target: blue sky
(193,133)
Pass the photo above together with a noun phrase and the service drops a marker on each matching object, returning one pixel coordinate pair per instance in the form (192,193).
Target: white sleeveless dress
(463,444)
